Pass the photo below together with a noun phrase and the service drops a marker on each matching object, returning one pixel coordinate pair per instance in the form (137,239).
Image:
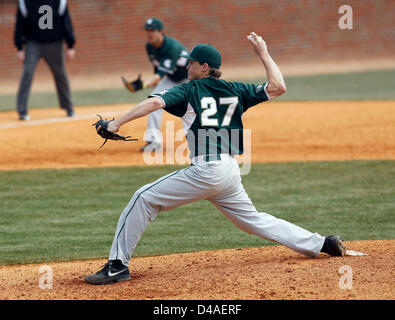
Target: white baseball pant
(210,181)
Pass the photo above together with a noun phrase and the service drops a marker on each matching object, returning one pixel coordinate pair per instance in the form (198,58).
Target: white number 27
(209,107)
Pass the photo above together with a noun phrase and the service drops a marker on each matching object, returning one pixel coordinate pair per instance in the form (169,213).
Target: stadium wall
(110,37)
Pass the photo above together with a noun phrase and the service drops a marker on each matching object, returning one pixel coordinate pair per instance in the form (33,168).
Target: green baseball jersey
(212,111)
(167,61)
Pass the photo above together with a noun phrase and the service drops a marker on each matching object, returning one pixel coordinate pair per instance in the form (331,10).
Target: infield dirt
(266,273)
(280,131)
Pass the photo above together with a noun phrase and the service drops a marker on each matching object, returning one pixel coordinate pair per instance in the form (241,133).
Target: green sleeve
(251,94)
(175,99)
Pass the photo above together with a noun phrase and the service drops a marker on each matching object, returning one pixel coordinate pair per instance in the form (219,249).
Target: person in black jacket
(41,26)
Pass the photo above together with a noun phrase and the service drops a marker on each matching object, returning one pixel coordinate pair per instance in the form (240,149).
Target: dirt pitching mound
(268,273)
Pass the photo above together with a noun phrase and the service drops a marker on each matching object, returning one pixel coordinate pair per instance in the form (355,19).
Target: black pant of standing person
(42,26)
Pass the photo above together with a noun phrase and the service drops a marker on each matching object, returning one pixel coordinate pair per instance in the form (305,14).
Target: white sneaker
(24,117)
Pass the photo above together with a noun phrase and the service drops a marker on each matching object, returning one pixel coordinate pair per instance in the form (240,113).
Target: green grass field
(60,215)
(372,85)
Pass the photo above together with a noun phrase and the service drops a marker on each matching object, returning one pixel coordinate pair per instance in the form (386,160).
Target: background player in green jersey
(211,110)
(169,70)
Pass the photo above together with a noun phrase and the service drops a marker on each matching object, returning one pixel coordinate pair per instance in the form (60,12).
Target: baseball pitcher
(211,111)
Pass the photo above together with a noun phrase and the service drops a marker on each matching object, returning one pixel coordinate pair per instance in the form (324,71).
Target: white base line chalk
(355,253)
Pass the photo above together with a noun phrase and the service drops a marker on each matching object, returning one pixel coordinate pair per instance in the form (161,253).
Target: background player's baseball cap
(153,24)
(205,53)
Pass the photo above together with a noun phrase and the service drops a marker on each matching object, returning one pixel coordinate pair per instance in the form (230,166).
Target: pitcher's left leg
(169,192)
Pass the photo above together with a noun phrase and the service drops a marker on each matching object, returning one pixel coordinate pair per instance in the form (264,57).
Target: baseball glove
(133,86)
(105,134)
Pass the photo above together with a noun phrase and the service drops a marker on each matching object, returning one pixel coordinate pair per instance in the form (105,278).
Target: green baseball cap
(153,24)
(205,53)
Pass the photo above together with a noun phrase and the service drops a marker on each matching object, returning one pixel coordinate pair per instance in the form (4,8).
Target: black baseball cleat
(112,272)
(334,246)
(71,114)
